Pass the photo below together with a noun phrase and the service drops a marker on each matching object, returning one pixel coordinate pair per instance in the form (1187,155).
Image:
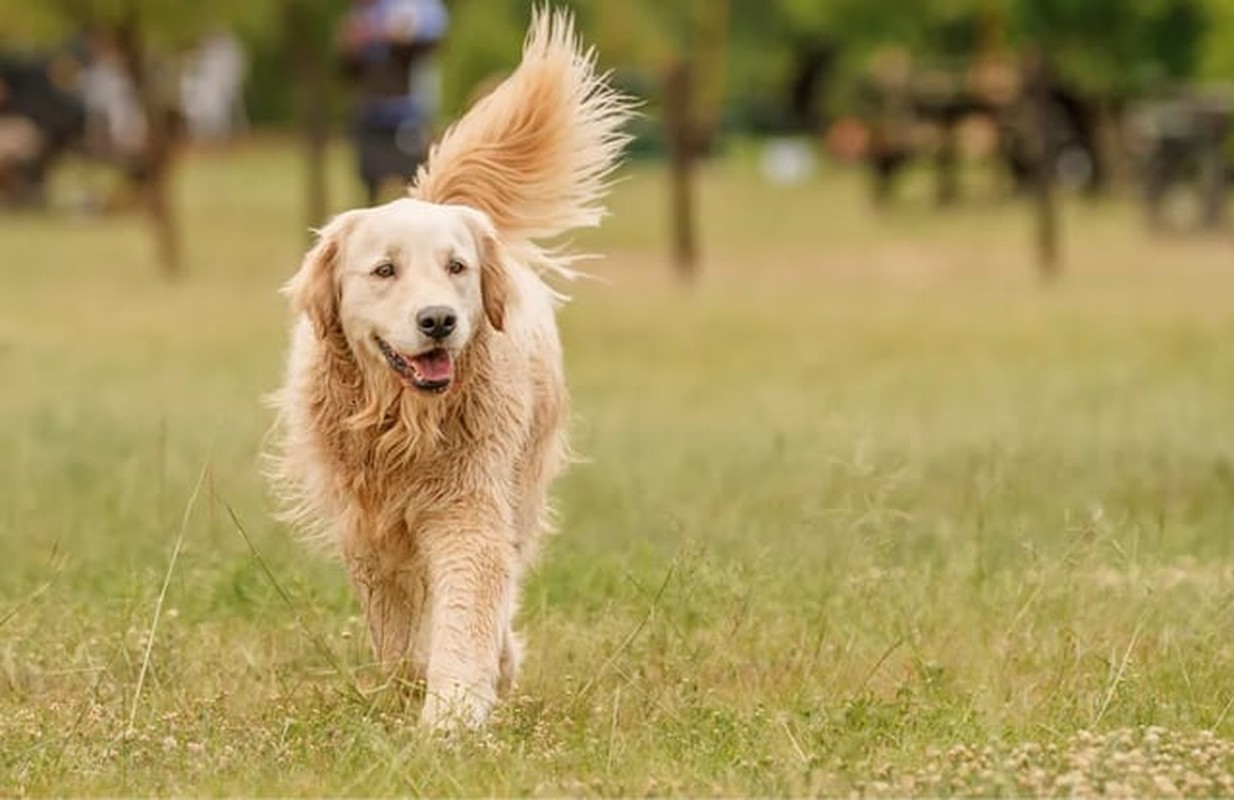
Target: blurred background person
(212,88)
(115,123)
(388,48)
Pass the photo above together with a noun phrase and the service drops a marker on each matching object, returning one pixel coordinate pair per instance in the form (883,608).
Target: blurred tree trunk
(682,154)
(947,161)
(711,23)
(693,101)
(300,31)
(1037,81)
(1113,162)
(1214,173)
(156,162)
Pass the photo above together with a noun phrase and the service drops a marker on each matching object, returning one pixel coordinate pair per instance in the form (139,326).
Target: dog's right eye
(384,270)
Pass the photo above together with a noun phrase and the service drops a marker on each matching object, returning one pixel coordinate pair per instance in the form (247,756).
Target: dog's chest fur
(391,449)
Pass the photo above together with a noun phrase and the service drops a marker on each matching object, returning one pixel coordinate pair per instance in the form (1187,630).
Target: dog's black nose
(436,322)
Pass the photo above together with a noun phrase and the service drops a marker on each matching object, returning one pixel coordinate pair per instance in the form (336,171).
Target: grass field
(868,510)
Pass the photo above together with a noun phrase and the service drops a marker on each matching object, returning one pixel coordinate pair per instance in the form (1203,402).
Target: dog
(424,410)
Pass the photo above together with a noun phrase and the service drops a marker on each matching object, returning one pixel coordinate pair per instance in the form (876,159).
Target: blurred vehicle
(1181,143)
(41,118)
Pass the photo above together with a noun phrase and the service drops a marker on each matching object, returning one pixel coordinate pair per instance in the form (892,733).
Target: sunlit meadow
(867,508)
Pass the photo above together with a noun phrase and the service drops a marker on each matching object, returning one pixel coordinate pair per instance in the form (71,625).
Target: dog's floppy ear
(495,290)
(313,289)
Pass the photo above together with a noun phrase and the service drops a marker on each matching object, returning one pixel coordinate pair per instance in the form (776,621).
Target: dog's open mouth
(430,371)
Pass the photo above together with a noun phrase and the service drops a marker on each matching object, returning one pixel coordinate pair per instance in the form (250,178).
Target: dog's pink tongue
(434,366)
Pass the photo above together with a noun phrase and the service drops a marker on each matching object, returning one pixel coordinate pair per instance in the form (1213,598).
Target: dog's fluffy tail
(536,154)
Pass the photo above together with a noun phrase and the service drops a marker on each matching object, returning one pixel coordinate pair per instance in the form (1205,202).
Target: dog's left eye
(455,267)
(384,270)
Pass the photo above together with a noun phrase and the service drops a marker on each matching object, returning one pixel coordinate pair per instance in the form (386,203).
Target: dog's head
(408,284)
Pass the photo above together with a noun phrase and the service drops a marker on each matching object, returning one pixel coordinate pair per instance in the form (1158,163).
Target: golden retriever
(424,410)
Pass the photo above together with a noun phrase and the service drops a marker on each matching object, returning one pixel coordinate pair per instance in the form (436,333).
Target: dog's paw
(456,707)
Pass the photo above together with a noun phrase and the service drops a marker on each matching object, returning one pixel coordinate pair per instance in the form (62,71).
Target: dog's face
(409,284)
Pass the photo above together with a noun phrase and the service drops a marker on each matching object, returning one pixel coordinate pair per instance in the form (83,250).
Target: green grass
(868,508)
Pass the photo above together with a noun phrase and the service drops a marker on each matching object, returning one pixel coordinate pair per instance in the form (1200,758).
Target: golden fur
(438,500)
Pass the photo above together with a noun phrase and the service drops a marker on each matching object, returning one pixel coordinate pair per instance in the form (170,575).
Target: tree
(306,39)
(146,35)
(1217,50)
(1114,47)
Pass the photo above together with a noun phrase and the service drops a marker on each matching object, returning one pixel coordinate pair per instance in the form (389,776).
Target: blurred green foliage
(1116,48)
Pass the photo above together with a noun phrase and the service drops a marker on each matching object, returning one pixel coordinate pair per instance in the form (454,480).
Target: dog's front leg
(389,610)
(471,577)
